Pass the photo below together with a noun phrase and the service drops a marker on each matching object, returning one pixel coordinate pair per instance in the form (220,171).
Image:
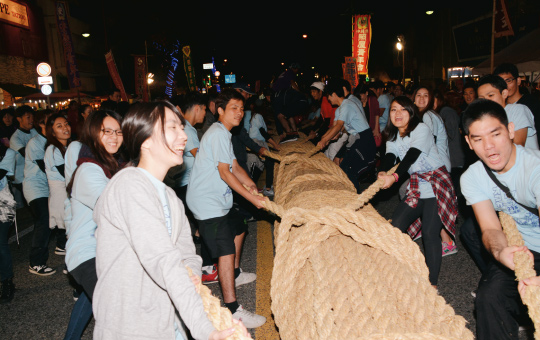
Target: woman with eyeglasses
(98,161)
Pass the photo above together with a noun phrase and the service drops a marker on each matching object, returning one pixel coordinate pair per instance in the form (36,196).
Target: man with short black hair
(506,178)
(384,103)
(510,74)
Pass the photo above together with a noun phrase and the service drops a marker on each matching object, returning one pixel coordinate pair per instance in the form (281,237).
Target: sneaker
(209,274)
(418,236)
(250,320)
(289,138)
(244,278)
(251,219)
(268,192)
(449,248)
(64,270)
(7,291)
(60,251)
(473,293)
(42,270)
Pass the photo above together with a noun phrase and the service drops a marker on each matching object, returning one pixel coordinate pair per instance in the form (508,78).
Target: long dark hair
(139,123)
(49,133)
(429,104)
(391,131)
(90,136)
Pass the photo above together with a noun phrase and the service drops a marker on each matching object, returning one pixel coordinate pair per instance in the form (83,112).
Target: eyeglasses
(509,80)
(110,132)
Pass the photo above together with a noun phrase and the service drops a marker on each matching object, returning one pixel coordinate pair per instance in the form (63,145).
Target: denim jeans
(80,317)
(6,264)
(39,253)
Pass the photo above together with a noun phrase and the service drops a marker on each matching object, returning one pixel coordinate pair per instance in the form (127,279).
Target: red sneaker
(209,274)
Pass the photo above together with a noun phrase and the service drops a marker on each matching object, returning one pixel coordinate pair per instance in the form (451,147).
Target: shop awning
(18,90)
(524,53)
(56,96)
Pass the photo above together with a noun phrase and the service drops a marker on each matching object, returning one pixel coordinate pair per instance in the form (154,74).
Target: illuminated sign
(361,42)
(46,89)
(230,78)
(45,80)
(208,66)
(14,13)
(43,69)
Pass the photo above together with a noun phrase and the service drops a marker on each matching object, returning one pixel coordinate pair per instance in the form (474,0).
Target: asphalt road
(42,305)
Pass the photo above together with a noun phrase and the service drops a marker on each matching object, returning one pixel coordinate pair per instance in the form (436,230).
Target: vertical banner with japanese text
(349,72)
(113,71)
(361,41)
(503,26)
(141,83)
(188,67)
(67,44)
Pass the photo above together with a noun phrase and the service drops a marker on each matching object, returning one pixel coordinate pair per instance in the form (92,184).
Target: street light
(150,78)
(86,35)
(400,45)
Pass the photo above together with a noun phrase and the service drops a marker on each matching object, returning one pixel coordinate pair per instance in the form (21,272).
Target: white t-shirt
(523,180)
(420,138)
(522,118)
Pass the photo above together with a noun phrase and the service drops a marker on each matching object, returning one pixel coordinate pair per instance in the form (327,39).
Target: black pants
(471,236)
(85,275)
(498,303)
(39,253)
(426,209)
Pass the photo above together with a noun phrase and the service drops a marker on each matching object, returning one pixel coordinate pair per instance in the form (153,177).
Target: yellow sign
(14,13)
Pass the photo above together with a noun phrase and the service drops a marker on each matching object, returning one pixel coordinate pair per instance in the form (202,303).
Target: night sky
(257,36)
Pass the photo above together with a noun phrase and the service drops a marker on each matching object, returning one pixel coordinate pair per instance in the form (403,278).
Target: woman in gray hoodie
(144,240)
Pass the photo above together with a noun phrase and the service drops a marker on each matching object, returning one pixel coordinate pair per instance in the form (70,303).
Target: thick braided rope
(339,273)
(524,269)
(220,317)
(370,192)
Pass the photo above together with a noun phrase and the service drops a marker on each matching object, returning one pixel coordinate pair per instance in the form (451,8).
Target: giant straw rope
(341,271)
(524,269)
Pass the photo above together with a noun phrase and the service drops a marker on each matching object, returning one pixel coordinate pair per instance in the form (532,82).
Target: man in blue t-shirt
(216,173)
(489,133)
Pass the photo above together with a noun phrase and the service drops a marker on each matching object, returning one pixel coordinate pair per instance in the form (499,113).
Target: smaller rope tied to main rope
(524,269)
(220,317)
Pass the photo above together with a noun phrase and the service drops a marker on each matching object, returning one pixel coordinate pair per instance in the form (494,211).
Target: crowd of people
(128,190)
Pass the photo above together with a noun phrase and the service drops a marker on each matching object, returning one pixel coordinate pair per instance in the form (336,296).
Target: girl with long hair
(58,133)
(144,239)
(98,161)
(430,195)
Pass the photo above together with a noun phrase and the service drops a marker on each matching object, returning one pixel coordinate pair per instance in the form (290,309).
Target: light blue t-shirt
(53,159)
(35,184)
(208,196)
(429,160)
(315,114)
(160,187)
(353,119)
(70,158)
(18,140)
(522,118)
(523,180)
(8,164)
(88,184)
(256,123)
(436,125)
(189,159)
(384,103)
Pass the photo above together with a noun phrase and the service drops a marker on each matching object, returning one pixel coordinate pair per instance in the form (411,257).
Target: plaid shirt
(444,193)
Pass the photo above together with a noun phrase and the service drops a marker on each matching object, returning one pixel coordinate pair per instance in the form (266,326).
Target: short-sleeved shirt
(327,110)
(420,138)
(384,103)
(189,159)
(257,123)
(160,187)
(18,140)
(522,118)
(7,163)
(436,125)
(53,159)
(353,119)
(523,180)
(35,184)
(208,195)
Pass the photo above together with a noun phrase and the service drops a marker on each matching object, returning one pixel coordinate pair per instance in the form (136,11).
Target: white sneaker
(250,320)
(244,278)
